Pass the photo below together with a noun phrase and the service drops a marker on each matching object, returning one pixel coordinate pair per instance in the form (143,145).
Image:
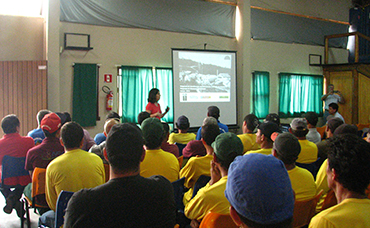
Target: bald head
(109,123)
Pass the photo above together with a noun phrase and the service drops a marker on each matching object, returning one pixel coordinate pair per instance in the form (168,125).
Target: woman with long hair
(153,107)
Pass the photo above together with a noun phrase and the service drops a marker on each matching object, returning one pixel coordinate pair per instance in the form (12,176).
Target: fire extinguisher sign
(108,78)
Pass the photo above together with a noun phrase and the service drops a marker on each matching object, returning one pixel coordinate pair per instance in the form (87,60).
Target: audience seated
(101,137)
(157,161)
(214,112)
(287,148)
(41,155)
(259,192)
(183,137)
(200,165)
(128,199)
(37,134)
(348,175)
(99,149)
(226,147)
(313,135)
(248,137)
(263,137)
(273,117)
(71,171)
(12,144)
(309,151)
(165,146)
(333,110)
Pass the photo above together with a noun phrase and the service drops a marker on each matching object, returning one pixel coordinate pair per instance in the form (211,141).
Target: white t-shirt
(331,99)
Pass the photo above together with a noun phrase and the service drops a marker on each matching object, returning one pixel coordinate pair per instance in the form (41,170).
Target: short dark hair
(209,133)
(67,116)
(48,134)
(334,106)
(213,111)
(349,156)
(72,135)
(273,117)
(142,116)
(287,223)
(124,146)
(152,142)
(152,98)
(10,123)
(312,118)
(166,128)
(333,123)
(112,115)
(252,121)
(40,115)
(299,133)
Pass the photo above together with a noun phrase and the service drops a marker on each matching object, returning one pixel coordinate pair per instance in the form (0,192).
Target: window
(134,85)
(299,93)
(31,8)
(261,94)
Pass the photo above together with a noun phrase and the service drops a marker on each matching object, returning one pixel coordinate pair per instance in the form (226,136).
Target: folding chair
(305,210)
(107,172)
(215,220)
(181,147)
(13,169)
(62,202)
(201,182)
(181,158)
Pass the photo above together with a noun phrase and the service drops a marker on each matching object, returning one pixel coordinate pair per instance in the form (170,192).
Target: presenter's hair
(152,98)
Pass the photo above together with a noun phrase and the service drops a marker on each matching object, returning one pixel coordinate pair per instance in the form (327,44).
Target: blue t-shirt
(223,129)
(37,135)
(99,138)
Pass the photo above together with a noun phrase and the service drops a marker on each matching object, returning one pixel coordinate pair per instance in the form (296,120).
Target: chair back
(62,202)
(321,130)
(215,220)
(329,201)
(181,147)
(305,210)
(38,186)
(201,182)
(181,158)
(310,167)
(107,172)
(178,190)
(13,167)
(362,126)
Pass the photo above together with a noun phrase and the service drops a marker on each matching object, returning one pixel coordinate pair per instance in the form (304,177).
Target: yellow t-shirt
(72,171)
(209,198)
(303,183)
(308,152)
(261,151)
(322,183)
(182,138)
(249,142)
(354,213)
(159,162)
(194,168)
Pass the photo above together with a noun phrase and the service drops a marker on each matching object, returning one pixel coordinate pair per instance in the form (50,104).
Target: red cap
(51,122)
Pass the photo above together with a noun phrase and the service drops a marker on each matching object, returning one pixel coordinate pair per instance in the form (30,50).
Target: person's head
(312,118)
(273,117)
(10,124)
(330,88)
(166,131)
(213,111)
(259,191)
(154,95)
(286,148)
(67,117)
(112,115)
(142,116)
(264,132)
(50,124)
(40,115)
(250,123)
(298,127)
(346,129)
(368,136)
(152,132)
(182,123)
(71,135)
(331,125)
(124,148)
(349,163)
(226,147)
(333,108)
(109,123)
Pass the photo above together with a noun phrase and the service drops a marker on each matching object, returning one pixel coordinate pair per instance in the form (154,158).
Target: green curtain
(299,93)
(136,83)
(261,94)
(84,110)
(164,83)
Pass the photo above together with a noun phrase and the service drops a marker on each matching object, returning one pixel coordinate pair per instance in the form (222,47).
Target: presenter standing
(153,108)
(333,96)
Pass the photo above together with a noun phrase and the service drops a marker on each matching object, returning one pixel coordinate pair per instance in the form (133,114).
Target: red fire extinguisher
(109,98)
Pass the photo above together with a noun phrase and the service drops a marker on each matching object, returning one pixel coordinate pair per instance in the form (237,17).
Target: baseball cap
(286,144)
(267,128)
(259,188)
(183,121)
(299,124)
(51,122)
(152,127)
(227,146)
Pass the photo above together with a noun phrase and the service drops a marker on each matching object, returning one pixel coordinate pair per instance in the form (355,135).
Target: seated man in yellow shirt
(287,148)
(226,147)
(348,175)
(263,137)
(248,137)
(157,161)
(200,165)
(183,137)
